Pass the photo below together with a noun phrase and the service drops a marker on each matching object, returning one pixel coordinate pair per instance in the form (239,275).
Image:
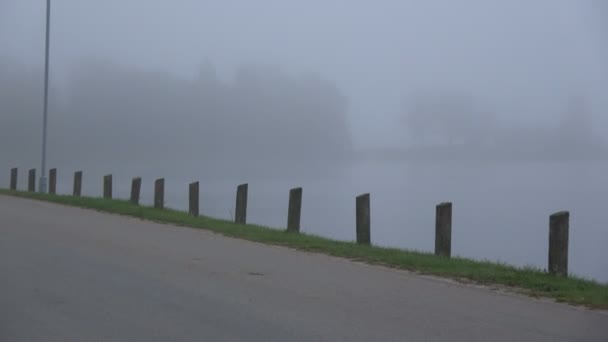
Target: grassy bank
(529,281)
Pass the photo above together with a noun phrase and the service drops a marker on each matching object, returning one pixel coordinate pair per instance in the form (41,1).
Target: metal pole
(46,98)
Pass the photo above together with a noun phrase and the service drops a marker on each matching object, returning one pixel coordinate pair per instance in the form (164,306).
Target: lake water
(501,211)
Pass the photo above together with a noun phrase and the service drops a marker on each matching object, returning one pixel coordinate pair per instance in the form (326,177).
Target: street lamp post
(46,98)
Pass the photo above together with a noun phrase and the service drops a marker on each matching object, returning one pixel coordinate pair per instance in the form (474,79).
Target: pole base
(42,186)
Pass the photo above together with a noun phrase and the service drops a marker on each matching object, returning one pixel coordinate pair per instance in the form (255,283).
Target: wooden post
(135,190)
(294,210)
(14,172)
(77,184)
(159,193)
(193,197)
(240,213)
(53,181)
(363,219)
(31,180)
(443,230)
(558,243)
(107,186)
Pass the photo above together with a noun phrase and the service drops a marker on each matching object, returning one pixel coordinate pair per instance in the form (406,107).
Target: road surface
(69,274)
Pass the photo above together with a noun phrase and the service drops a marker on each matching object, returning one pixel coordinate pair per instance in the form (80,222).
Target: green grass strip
(527,280)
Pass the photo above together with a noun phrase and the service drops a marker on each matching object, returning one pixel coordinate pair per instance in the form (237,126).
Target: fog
(498,106)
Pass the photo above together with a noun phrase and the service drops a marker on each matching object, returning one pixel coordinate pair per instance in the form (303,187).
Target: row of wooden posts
(558,222)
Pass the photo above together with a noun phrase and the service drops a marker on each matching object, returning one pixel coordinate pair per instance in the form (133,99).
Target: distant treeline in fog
(107,113)
(454,126)
(262,119)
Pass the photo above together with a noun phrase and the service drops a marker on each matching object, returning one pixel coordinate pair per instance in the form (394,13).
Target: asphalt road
(69,274)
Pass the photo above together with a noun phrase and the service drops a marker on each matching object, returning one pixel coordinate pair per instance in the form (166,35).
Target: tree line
(106,112)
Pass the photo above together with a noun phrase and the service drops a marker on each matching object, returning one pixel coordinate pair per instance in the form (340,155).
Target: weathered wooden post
(107,186)
(14,172)
(294,210)
(77,184)
(159,193)
(31,180)
(559,225)
(363,219)
(443,230)
(53,181)
(193,199)
(240,213)
(135,190)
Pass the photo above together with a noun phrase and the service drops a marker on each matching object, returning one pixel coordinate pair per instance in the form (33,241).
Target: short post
(294,210)
(193,199)
(159,193)
(135,190)
(31,180)
(240,213)
(443,230)
(77,184)
(558,243)
(53,181)
(14,172)
(363,219)
(107,186)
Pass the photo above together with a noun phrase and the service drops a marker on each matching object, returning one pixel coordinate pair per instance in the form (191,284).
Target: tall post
(53,181)
(240,213)
(77,183)
(363,219)
(107,186)
(159,193)
(135,190)
(443,230)
(193,197)
(14,173)
(559,226)
(31,180)
(46,97)
(294,210)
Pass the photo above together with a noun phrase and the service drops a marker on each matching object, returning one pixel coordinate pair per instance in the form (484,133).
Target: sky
(521,59)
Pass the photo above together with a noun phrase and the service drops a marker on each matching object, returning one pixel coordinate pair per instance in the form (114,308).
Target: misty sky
(520,58)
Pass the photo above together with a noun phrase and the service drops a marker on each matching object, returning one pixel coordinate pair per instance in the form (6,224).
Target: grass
(530,281)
